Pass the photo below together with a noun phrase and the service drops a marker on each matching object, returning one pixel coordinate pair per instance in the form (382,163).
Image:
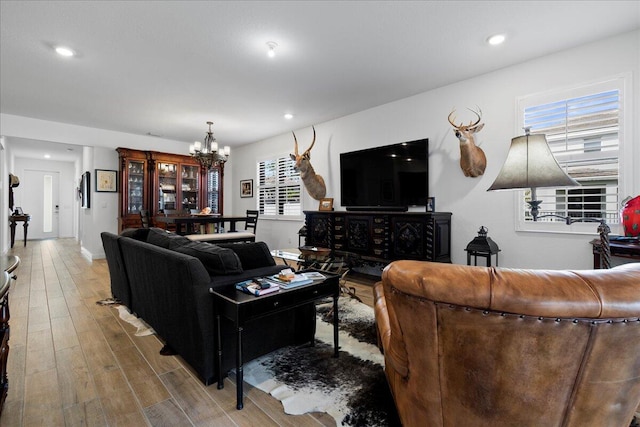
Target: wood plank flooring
(73,362)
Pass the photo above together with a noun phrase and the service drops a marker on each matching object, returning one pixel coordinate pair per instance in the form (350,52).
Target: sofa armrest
(252,254)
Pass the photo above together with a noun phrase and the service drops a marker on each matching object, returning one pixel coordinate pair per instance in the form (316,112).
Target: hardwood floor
(73,362)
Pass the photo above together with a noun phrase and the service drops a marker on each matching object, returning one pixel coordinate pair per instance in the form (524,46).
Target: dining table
(185,223)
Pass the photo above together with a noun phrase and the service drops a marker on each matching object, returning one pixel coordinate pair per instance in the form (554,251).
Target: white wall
(4,194)
(420,116)
(425,116)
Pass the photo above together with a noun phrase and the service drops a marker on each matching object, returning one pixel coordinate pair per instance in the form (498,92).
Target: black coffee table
(241,308)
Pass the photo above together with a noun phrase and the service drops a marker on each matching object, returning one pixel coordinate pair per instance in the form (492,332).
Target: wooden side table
(7,264)
(619,248)
(14,219)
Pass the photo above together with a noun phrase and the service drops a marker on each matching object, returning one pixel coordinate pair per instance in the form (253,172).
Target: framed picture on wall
(106,181)
(246,188)
(85,190)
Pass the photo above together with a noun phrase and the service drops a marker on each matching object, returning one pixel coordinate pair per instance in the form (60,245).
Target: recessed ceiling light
(496,39)
(288,116)
(271,52)
(64,51)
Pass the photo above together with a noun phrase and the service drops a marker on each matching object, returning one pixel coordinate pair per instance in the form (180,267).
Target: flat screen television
(392,177)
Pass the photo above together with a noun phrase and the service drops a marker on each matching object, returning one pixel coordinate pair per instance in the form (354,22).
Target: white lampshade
(531,164)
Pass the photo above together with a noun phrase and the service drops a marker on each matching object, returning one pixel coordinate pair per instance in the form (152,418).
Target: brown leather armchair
(483,346)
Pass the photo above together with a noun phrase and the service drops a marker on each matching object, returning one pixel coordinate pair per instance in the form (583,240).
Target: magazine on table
(315,275)
(287,279)
(257,286)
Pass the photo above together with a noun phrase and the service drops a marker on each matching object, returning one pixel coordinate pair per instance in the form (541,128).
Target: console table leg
(219,342)
(26,226)
(239,370)
(13,232)
(335,325)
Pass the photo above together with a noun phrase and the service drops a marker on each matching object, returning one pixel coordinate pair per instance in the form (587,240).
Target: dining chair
(252,220)
(144,217)
(170,212)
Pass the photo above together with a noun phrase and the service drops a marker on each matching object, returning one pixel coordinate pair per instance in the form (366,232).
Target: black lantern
(482,246)
(302,233)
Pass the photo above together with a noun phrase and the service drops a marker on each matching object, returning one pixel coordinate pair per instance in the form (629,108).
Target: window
(583,129)
(279,188)
(213,190)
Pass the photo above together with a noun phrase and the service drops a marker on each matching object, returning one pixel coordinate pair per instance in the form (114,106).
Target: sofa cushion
(215,259)
(136,233)
(165,239)
(252,255)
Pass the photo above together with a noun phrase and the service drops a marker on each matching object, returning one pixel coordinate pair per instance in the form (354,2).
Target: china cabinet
(163,184)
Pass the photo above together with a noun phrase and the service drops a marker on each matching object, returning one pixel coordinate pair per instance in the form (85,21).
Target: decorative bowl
(314,252)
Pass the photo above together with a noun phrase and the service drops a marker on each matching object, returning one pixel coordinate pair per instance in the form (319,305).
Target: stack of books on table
(286,279)
(258,286)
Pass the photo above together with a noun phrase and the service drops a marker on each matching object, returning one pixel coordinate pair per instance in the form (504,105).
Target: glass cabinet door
(135,186)
(190,188)
(168,180)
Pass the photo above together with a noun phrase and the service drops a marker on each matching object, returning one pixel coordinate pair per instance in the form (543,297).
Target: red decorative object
(630,217)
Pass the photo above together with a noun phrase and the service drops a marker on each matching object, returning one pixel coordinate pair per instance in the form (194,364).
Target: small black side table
(14,219)
(620,247)
(241,308)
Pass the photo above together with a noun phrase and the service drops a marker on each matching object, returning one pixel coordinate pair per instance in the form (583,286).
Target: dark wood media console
(381,236)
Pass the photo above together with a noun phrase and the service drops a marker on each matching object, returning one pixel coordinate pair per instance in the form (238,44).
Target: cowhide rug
(352,388)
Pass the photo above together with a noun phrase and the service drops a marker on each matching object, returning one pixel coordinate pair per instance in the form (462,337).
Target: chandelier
(207,152)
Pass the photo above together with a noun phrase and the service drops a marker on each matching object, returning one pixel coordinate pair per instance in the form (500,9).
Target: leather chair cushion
(216,260)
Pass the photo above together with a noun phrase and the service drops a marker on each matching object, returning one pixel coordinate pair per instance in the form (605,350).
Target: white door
(40,200)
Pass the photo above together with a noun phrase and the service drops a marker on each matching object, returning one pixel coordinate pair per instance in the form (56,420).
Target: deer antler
(312,142)
(471,123)
(479,114)
(454,117)
(295,147)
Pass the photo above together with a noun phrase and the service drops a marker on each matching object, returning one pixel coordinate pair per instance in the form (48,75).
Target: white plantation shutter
(279,188)
(583,134)
(213,190)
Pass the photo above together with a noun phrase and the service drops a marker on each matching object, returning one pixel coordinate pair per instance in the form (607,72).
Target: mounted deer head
(472,158)
(313,182)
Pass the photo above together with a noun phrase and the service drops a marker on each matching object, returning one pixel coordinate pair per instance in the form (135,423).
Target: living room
(423,115)
(584,58)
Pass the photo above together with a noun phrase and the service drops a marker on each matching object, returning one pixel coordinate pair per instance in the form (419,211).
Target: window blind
(583,135)
(279,192)
(213,190)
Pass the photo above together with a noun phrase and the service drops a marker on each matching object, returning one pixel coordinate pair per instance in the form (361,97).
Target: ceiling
(165,68)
